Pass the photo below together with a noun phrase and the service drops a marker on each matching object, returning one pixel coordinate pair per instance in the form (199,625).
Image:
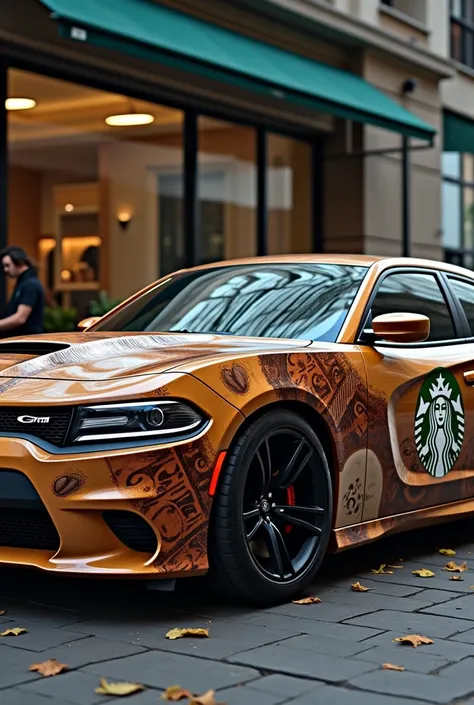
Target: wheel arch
(316,421)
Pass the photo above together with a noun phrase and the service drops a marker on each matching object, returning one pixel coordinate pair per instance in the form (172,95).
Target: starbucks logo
(439,422)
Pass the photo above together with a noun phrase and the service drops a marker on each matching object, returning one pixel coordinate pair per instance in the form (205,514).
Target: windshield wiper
(200,332)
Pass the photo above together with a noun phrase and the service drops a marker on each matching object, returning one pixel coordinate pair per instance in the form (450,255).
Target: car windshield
(306,301)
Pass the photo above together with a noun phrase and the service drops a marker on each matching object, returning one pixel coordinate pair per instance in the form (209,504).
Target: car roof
(380,263)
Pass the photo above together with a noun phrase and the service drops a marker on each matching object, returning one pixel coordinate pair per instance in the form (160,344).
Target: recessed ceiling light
(129,119)
(20,103)
(69,207)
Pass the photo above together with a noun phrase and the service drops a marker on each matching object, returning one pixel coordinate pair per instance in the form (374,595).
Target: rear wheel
(272,513)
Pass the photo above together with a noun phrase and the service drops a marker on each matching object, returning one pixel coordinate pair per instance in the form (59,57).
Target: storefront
(138,139)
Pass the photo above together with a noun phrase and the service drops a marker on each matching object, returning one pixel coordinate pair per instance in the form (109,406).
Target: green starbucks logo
(439,422)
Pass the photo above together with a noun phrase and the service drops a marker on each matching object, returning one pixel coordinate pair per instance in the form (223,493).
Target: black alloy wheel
(272,513)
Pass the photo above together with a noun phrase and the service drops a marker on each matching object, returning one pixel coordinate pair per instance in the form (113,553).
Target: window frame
(466,27)
(463,184)
(453,305)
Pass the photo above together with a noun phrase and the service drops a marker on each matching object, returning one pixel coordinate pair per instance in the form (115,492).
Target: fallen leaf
(306,601)
(205,699)
(453,567)
(392,667)
(357,587)
(447,552)
(395,566)
(2,612)
(455,577)
(179,633)
(49,668)
(423,573)
(414,639)
(381,570)
(16,631)
(119,689)
(175,693)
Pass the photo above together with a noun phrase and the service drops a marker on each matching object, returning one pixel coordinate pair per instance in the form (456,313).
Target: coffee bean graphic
(236,379)
(66,485)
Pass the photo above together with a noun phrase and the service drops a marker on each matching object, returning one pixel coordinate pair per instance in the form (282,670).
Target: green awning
(458,133)
(153,32)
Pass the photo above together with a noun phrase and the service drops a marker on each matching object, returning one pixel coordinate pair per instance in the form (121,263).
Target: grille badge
(33,419)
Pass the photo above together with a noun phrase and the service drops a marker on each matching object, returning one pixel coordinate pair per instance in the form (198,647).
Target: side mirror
(401,327)
(88,322)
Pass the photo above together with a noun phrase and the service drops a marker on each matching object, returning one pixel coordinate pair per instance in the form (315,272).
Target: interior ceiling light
(129,119)
(20,103)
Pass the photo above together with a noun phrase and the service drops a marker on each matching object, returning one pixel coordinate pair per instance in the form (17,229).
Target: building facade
(140,136)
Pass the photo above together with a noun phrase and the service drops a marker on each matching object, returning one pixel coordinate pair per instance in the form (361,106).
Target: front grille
(28,528)
(53,432)
(131,530)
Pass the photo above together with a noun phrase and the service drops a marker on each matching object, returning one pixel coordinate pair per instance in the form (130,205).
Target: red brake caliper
(290,498)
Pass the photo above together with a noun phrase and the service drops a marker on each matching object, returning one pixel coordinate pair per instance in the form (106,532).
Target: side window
(409,292)
(464,290)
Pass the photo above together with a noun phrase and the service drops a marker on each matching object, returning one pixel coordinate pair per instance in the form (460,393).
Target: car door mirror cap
(401,327)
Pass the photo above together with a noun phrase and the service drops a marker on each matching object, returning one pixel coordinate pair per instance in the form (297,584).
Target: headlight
(136,421)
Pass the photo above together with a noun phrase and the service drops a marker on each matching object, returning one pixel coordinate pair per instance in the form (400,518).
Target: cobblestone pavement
(322,654)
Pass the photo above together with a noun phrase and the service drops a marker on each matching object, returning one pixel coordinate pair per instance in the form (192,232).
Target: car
(241,419)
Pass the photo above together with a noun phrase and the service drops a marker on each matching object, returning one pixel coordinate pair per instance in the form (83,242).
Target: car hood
(99,356)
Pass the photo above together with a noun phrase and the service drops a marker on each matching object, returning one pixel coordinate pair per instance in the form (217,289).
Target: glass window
(289,196)
(227,191)
(95,183)
(462,31)
(408,292)
(464,290)
(302,301)
(451,164)
(451,215)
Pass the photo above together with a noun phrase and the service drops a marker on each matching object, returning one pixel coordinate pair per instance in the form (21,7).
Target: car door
(421,398)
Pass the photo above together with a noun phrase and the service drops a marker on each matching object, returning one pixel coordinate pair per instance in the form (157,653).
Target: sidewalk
(321,654)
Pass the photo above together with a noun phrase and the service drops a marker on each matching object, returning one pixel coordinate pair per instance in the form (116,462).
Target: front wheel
(272,514)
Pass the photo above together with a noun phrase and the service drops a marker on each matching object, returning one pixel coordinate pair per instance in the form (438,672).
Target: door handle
(469,377)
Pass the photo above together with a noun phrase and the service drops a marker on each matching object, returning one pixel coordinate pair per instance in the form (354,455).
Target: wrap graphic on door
(439,422)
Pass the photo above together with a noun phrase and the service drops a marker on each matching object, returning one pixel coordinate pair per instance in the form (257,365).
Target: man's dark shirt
(29,292)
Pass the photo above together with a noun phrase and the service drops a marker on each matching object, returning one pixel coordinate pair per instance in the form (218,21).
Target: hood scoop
(35,347)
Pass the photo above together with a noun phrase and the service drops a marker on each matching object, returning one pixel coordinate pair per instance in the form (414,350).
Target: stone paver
(329,653)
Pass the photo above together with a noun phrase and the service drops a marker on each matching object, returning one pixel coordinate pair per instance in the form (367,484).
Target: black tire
(239,564)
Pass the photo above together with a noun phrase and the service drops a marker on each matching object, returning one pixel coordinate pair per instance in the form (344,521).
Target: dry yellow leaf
(447,552)
(381,570)
(357,587)
(455,577)
(16,631)
(306,601)
(423,573)
(49,668)
(180,633)
(392,667)
(175,693)
(414,639)
(453,567)
(395,566)
(118,689)
(205,699)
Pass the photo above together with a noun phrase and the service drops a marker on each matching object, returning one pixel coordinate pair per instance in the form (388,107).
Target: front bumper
(131,512)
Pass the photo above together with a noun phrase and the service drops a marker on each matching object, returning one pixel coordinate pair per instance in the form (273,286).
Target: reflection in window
(464,290)
(458,208)
(304,301)
(415,293)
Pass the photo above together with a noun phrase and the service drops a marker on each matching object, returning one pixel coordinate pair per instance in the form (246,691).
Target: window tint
(301,300)
(408,292)
(464,290)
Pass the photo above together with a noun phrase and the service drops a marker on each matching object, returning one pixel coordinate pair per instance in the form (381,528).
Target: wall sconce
(124,218)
